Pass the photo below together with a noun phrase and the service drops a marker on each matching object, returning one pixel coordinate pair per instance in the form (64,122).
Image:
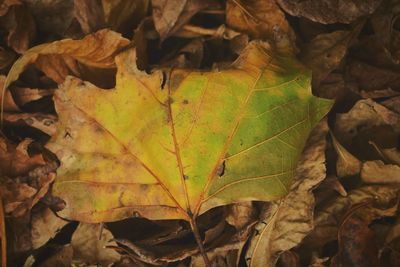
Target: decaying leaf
(62,258)
(124,15)
(14,160)
(328,217)
(90,15)
(286,222)
(7,100)
(325,52)
(118,15)
(88,243)
(19,23)
(6,59)
(347,164)
(377,172)
(43,122)
(356,240)
(45,226)
(170,16)
(330,11)
(364,114)
(95,50)
(260,19)
(53,17)
(205,136)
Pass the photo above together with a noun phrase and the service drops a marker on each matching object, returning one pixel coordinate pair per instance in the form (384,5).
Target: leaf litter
(114,113)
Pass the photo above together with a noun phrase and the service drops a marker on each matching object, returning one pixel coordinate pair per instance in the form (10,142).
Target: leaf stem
(197,236)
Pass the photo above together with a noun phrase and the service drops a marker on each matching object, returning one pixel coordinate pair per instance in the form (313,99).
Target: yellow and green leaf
(174,143)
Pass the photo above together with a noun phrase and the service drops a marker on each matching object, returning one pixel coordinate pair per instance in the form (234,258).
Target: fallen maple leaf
(175,148)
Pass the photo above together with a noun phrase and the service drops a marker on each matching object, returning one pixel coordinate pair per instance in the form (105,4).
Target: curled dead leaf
(286,222)
(89,243)
(377,172)
(329,11)
(14,160)
(347,164)
(260,19)
(16,19)
(96,50)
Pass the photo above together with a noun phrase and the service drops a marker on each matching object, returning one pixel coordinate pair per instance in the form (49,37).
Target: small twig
(101,230)
(221,32)
(200,30)
(197,236)
(3,236)
(213,11)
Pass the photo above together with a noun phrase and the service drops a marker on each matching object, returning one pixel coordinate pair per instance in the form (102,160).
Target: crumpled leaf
(170,16)
(88,243)
(193,150)
(14,160)
(89,14)
(6,59)
(45,225)
(364,114)
(43,122)
(347,164)
(286,222)
(7,100)
(124,15)
(327,217)
(329,11)
(16,19)
(62,258)
(325,52)
(119,15)
(384,24)
(356,241)
(95,50)
(53,17)
(377,172)
(261,19)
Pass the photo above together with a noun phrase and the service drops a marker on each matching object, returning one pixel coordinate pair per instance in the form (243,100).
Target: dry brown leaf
(383,78)
(364,114)
(392,104)
(7,57)
(88,243)
(95,50)
(14,160)
(329,11)
(327,216)
(392,245)
(261,19)
(23,95)
(347,164)
(44,185)
(124,15)
(53,17)
(43,122)
(241,214)
(61,258)
(14,194)
(356,241)
(19,24)
(7,100)
(377,172)
(90,15)
(286,222)
(44,226)
(170,16)
(325,52)
(384,25)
